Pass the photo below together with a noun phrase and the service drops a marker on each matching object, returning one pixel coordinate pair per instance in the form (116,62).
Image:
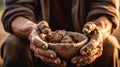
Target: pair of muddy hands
(65,43)
(68,45)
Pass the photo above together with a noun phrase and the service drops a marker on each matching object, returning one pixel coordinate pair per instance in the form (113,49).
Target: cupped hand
(40,47)
(93,49)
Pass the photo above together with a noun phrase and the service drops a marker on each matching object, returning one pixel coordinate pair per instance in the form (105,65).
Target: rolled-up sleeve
(16,8)
(109,8)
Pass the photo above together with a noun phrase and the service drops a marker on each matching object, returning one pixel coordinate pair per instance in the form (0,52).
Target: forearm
(105,25)
(22,27)
(108,8)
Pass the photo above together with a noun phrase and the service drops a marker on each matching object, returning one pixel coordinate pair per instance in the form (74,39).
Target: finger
(62,64)
(93,52)
(40,43)
(83,60)
(93,43)
(49,60)
(32,47)
(46,31)
(98,32)
(36,40)
(44,27)
(75,59)
(46,53)
(88,28)
(88,60)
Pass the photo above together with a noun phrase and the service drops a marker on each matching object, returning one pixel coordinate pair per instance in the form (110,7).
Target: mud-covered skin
(56,36)
(39,45)
(93,49)
(62,36)
(65,43)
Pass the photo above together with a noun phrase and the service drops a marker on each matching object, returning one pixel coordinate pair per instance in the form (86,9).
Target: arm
(19,19)
(102,19)
(107,8)
(23,28)
(104,25)
(17,8)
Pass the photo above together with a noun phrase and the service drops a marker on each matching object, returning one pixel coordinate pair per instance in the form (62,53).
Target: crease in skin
(45,46)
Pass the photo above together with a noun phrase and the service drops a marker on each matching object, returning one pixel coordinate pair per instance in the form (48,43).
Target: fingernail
(44,47)
(52,56)
(85,31)
(74,62)
(56,62)
(80,60)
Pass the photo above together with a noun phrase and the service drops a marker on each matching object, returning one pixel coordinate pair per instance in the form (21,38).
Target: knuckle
(85,30)
(93,43)
(43,25)
(46,30)
(90,60)
(91,25)
(90,46)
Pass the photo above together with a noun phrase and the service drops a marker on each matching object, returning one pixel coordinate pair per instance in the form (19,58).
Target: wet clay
(65,43)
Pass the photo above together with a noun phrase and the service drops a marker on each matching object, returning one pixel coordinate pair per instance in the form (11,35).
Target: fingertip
(74,62)
(45,47)
(46,31)
(43,22)
(57,61)
(83,51)
(53,55)
(46,44)
(85,31)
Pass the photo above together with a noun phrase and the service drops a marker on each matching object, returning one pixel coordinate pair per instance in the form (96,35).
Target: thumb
(37,40)
(44,27)
(88,28)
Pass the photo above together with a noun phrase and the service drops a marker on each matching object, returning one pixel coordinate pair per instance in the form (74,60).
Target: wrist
(23,27)
(104,25)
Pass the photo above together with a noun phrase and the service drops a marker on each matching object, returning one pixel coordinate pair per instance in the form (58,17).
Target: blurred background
(3,34)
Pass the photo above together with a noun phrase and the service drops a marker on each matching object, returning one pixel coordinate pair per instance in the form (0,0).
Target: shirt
(61,14)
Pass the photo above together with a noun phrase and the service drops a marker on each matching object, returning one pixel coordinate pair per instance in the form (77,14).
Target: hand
(40,47)
(93,49)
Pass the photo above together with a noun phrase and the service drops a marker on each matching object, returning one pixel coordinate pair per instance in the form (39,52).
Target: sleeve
(109,8)
(15,8)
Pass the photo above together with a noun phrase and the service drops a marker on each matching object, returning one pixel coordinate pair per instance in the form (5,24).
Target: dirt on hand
(65,43)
